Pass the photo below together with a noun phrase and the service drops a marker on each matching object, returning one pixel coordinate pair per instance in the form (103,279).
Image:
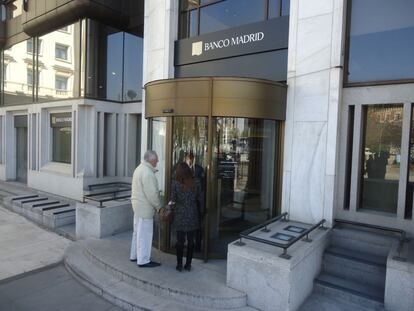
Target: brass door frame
(216,97)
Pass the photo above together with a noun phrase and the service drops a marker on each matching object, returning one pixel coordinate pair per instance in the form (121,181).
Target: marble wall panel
(312,97)
(308,178)
(313,47)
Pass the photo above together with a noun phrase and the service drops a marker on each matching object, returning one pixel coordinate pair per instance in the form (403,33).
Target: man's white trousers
(142,240)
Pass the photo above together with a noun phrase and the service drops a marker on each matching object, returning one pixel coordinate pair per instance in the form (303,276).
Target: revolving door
(235,156)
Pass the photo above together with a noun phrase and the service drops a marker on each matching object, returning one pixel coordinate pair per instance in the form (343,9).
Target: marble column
(315,71)
(160,32)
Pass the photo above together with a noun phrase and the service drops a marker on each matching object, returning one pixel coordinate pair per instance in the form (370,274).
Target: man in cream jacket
(146,202)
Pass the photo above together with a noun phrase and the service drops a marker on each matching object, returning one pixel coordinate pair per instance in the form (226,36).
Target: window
(200,17)
(381,41)
(61,51)
(114,68)
(30,76)
(380,158)
(61,83)
(61,124)
(29,46)
(3,12)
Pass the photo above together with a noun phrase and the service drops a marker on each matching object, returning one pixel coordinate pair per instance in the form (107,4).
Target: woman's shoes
(187,267)
(179,268)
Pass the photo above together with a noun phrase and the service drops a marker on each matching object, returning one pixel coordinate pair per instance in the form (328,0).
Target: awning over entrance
(211,96)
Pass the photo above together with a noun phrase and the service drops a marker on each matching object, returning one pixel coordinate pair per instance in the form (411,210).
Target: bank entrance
(229,131)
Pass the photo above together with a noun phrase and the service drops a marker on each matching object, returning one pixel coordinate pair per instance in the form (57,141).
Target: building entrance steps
(104,266)
(353,270)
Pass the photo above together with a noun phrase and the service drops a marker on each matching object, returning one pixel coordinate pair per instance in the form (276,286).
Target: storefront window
(381,157)
(200,17)
(61,124)
(381,45)
(114,64)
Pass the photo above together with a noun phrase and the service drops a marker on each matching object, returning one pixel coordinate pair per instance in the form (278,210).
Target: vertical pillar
(315,71)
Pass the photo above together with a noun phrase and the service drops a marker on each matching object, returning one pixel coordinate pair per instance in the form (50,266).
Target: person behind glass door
(186,193)
(198,173)
(145,202)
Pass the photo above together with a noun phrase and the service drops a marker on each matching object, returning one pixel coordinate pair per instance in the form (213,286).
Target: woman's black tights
(180,247)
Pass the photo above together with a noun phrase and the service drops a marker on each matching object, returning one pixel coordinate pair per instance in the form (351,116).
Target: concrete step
(354,265)
(60,215)
(364,295)
(362,240)
(126,292)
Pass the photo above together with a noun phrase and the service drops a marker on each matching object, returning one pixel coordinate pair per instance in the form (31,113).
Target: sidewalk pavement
(25,246)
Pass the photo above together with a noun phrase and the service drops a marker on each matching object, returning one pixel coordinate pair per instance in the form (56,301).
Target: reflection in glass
(114,64)
(381,45)
(243,168)
(133,68)
(285,7)
(59,65)
(274,8)
(230,13)
(158,132)
(17,65)
(189,144)
(409,199)
(381,157)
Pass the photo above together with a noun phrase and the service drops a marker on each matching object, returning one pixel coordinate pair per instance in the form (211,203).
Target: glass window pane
(230,13)
(274,8)
(133,58)
(158,132)
(17,84)
(381,43)
(285,7)
(409,199)
(61,137)
(193,23)
(189,4)
(59,64)
(349,149)
(244,181)
(381,156)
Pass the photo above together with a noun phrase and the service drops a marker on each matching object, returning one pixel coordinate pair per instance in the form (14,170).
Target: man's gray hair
(150,155)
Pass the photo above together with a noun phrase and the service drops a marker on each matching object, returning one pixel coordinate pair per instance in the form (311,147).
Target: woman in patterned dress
(187,195)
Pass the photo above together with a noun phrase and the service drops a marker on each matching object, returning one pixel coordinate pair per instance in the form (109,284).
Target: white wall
(315,61)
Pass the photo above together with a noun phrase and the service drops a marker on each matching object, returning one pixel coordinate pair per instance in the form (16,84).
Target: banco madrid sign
(247,39)
(199,47)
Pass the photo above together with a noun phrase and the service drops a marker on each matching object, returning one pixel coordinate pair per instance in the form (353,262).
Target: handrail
(304,236)
(402,239)
(103,185)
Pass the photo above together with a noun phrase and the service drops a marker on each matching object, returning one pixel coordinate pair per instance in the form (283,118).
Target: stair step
(34,200)
(362,240)
(353,265)
(365,295)
(45,203)
(54,207)
(24,197)
(119,292)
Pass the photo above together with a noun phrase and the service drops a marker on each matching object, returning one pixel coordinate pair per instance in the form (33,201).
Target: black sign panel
(249,39)
(61,119)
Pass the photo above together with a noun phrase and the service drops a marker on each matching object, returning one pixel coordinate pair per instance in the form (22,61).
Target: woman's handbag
(166,213)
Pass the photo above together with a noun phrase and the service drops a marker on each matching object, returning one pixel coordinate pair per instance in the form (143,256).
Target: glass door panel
(189,144)
(381,155)
(243,182)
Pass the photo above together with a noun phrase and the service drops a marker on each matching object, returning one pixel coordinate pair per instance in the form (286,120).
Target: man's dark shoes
(133,260)
(187,267)
(179,268)
(151,264)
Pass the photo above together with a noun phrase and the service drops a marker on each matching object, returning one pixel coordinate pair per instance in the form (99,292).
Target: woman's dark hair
(184,175)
